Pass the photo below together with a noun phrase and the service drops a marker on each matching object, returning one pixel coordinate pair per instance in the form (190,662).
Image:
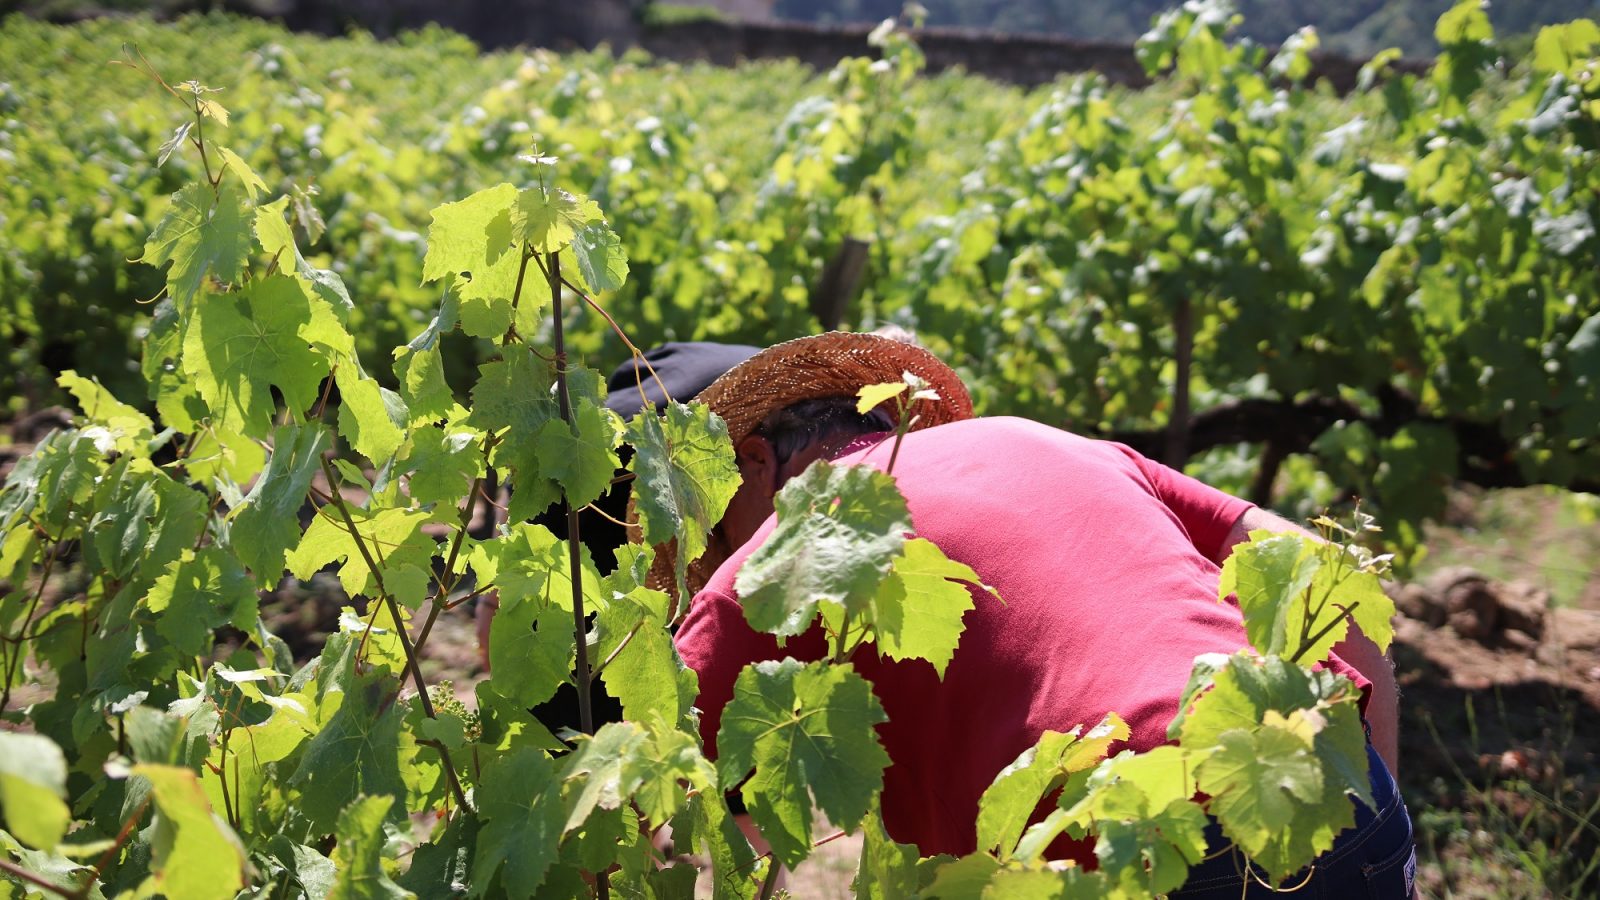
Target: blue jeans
(1376,859)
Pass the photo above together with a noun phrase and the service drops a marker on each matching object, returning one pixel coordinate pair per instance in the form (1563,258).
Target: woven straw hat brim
(835,364)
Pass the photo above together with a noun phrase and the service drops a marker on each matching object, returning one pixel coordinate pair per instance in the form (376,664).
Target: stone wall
(1027,60)
(501,24)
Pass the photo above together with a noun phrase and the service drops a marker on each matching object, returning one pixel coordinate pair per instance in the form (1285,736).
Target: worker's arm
(1383,704)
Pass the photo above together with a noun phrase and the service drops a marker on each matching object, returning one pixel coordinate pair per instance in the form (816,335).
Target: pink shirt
(1103,559)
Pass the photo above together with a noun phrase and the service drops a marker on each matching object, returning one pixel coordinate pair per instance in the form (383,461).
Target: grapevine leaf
(1463,23)
(1290,593)
(1246,688)
(175,398)
(839,530)
(1269,576)
(422,385)
(130,428)
(872,395)
(1150,852)
(313,872)
(598,771)
(393,537)
(143,521)
(964,878)
(218,453)
(360,852)
(706,823)
(887,870)
(275,237)
(1267,791)
(807,730)
(330,301)
(179,135)
(530,649)
(442,869)
(1370,608)
(195,853)
(267,525)
(198,593)
(371,417)
(512,400)
(646,675)
(1565,49)
(601,258)
(253,185)
(487,298)
(1010,801)
(1046,884)
(529,562)
(469,235)
(202,233)
(1157,778)
(240,344)
(58,475)
(443,465)
(669,760)
(917,612)
(686,475)
(18,549)
(548,219)
(212,109)
(523,814)
(358,751)
(581,456)
(33,789)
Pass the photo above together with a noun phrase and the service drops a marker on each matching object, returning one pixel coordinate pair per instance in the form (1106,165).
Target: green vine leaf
(360,852)
(917,612)
(195,853)
(807,731)
(581,456)
(686,475)
(358,751)
(839,530)
(239,345)
(33,789)
(523,814)
(202,233)
(267,524)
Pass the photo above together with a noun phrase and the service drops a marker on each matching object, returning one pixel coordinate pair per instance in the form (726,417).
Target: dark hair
(796,427)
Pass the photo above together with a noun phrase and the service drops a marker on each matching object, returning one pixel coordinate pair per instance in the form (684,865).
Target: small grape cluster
(445,703)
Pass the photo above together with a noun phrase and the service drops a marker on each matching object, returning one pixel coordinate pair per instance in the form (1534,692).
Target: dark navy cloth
(685,367)
(1376,859)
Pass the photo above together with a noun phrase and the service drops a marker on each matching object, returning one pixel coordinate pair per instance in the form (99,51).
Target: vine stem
(111,852)
(1344,613)
(516,295)
(579,620)
(228,806)
(200,142)
(771,881)
(18,651)
(626,639)
(38,880)
(405,638)
(638,354)
(448,582)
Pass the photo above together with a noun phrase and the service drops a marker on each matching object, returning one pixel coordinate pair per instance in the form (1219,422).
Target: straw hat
(835,364)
